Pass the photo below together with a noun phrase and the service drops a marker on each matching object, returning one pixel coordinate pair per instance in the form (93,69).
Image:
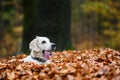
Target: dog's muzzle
(47,53)
(53,46)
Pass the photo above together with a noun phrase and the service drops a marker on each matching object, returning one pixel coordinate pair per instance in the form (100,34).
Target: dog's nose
(53,46)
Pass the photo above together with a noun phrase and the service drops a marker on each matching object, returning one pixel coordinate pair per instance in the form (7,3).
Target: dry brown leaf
(92,64)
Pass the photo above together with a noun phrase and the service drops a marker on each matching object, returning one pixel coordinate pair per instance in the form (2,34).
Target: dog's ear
(34,45)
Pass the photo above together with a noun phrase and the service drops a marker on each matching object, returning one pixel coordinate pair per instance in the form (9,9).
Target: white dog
(41,48)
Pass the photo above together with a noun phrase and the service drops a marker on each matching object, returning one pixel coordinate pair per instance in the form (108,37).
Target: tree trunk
(47,18)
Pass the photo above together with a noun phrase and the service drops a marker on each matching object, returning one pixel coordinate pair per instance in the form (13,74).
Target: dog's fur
(41,48)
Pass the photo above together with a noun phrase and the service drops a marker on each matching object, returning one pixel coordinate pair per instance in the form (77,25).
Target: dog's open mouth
(47,54)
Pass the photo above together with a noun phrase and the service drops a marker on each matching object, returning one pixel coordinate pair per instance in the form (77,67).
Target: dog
(41,49)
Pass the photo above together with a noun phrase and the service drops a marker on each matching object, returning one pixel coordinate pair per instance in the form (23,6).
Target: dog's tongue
(47,54)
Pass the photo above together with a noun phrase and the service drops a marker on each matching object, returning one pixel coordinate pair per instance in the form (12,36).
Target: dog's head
(43,46)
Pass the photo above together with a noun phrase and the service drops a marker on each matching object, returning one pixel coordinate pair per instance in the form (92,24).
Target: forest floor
(89,64)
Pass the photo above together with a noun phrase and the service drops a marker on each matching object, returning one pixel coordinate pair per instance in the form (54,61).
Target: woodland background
(92,23)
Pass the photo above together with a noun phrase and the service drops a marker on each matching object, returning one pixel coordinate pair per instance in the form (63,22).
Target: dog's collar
(38,59)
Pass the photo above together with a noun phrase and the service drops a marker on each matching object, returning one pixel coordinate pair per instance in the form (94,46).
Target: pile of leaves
(92,64)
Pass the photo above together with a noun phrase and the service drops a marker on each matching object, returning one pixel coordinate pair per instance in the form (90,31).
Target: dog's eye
(43,41)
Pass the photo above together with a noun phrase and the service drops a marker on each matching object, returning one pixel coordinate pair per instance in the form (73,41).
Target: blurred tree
(47,18)
(84,25)
(108,20)
(10,26)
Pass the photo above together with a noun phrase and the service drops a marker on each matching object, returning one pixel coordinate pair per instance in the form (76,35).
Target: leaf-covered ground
(92,64)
